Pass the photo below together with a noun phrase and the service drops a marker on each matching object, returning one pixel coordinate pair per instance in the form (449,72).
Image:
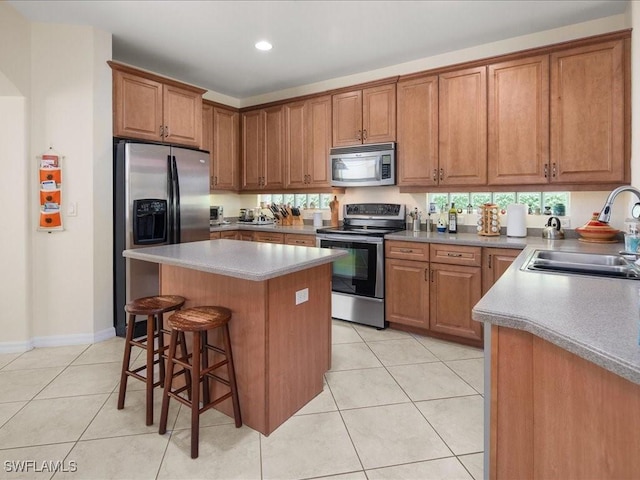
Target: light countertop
(593,317)
(235,258)
(273,227)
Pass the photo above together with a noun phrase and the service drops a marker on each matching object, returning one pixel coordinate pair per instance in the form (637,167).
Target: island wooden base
(281,350)
(555,415)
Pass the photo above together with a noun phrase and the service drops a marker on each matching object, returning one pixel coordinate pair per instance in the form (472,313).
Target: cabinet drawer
(304,240)
(407,250)
(268,237)
(229,234)
(455,254)
(214,235)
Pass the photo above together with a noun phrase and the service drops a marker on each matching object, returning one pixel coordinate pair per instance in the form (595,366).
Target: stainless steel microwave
(363,165)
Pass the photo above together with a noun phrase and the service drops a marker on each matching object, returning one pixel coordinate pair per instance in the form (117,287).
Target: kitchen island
(563,361)
(280,296)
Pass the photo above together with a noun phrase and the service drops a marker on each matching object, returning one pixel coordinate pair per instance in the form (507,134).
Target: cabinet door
(379,114)
(587,114)
(347,118)
(495,262)
(318,140)
(274,138)
(207,138)
(295,145)
(455,289)
(252,158)
(226,140)
(519,122)
(214,235)
(137,107)
(463,127)
(301,240)
(407,293)
(245,236)
(182,113)
(418,132)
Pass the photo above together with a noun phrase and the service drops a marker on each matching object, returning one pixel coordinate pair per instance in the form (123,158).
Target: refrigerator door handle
(171,217)
(176,200)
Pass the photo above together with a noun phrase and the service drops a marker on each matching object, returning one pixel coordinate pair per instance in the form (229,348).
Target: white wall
(70,108)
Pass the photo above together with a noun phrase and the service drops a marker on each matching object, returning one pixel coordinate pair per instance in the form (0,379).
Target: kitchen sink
(576,263)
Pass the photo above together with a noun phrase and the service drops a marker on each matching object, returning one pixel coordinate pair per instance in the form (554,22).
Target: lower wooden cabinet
(230,234)
(495,262)
(431,288)
(214,235)
(455,289)
(407,294)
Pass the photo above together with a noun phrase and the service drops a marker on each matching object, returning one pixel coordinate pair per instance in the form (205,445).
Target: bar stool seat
(198,321)
(153,308)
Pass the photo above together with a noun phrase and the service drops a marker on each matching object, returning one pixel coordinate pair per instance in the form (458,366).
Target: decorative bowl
(596,230)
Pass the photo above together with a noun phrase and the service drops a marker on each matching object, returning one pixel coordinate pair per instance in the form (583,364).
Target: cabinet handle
(432,276)
(490,260)
(452,254)
(546,170)
(359,135)
(215,180)
(553,170)
(166,131)
(364,134)
(441,174)
(406,250)
(426,274)
(161,131)
(435,175)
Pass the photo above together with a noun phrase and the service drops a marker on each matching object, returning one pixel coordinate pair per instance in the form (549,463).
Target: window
(535,201)
(302,200)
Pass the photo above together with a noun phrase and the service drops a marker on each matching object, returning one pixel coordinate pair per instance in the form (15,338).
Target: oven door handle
(350,238)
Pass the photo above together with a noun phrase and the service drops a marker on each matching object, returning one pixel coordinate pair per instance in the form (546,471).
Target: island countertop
(594,318)
(234,258)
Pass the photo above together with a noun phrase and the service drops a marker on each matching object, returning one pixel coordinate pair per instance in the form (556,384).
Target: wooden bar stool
(153,308)
(199,320)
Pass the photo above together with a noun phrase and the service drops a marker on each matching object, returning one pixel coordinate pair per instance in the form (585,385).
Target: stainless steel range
(358,278)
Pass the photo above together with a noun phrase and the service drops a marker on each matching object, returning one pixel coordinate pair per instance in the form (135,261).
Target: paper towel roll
(516,220)
(317,219)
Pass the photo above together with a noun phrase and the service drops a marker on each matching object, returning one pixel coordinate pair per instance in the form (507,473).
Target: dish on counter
(595,230)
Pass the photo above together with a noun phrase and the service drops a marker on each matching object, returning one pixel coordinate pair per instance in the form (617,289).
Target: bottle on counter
(453,219)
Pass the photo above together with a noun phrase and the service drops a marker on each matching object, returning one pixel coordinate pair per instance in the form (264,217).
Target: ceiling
(211,43)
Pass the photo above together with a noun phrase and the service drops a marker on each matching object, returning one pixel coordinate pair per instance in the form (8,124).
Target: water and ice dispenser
(149,221)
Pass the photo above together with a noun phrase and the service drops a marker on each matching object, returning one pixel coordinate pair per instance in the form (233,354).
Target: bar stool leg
(195,395)
(205,364)
(187,373)
(232,376)
(150,354)
(125,362)
(167,383)
(159,328)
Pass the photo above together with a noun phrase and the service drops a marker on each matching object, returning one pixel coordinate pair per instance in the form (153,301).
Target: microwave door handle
(378,169)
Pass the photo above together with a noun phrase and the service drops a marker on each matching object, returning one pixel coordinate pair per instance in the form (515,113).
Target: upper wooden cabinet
(147,107)
(518,121)
(418,131)
(225,155)
(463,127)
(263,138)
(588,114)
(308,141)
(364,116)
(221,137)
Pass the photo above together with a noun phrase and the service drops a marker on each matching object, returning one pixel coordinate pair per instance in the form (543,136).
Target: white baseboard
(58,341)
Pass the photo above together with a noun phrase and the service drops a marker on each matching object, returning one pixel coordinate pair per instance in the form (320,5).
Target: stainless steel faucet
(605,214)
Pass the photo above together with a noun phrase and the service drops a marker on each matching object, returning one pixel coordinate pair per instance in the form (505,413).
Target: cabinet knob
(441,174)
(364,134)
(435,175)
(546,170)
(359,135)
(166,131)
(161,131)
(553,170)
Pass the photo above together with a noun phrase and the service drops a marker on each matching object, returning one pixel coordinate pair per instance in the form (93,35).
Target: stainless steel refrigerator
(161,196)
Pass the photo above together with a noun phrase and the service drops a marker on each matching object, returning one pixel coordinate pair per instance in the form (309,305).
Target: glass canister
(559,210)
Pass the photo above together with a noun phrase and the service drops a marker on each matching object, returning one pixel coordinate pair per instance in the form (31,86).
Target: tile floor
(394,406)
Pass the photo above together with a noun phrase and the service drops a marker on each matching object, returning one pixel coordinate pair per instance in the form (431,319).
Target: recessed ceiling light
(264,45)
